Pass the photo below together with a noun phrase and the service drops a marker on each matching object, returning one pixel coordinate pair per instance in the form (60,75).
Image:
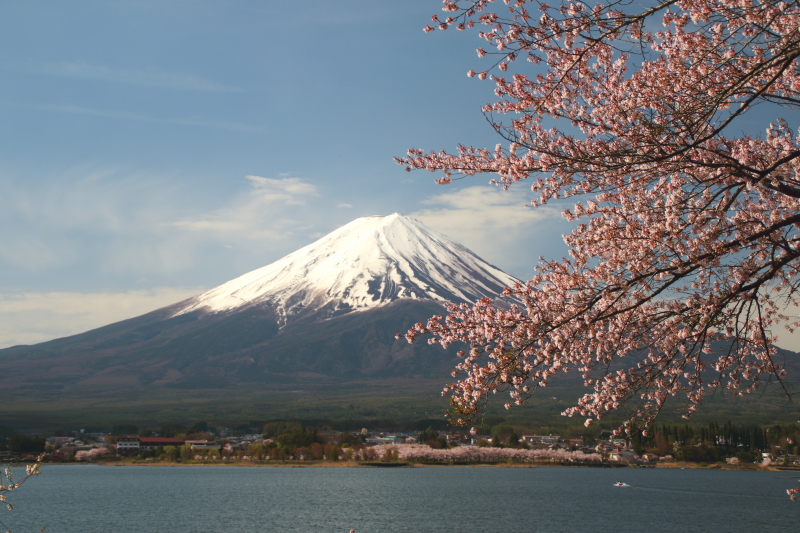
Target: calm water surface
(133,499)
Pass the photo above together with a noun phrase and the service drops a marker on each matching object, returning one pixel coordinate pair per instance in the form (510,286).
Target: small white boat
(621,484)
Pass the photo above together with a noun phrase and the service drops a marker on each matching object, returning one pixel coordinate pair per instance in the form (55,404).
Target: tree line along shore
(293,443)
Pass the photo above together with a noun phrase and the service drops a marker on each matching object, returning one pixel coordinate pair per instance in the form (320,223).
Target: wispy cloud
(496,225)
(268,210)
(484,205)
(28,318)
(99,219)
(343,205)
(293,191)
(136,226)
(788,337)
(132,76)
(234,126)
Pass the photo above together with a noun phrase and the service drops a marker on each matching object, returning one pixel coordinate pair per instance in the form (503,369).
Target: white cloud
(111,233)
(97,224)
(29,318)
(496,225)
(786,339)
(84,225)
(264,212)
(343,205)
(22,251)
(132,76)
(482,208)
(292,191)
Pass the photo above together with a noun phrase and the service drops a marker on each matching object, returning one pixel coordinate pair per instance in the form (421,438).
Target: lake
(152,499)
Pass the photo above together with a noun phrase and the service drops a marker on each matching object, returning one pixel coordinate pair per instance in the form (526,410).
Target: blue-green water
(131,499)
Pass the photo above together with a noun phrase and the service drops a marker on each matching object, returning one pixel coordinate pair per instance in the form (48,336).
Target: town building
(133,445)
(203,445)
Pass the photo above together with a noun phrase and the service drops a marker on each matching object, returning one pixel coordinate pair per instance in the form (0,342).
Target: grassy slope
(345,368)
(397,399)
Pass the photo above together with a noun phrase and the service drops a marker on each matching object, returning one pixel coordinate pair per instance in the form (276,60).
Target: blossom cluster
(685,252)
(475,454)
(8,485)
(88,455)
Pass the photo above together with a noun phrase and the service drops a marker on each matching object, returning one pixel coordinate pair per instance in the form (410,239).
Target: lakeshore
(676,465)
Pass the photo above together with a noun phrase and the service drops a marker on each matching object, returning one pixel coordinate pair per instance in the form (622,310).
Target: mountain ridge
(235,346)
(327,312)
(371,261)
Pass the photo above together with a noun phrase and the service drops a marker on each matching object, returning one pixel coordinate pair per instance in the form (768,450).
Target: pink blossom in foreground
(688,233)
(688,230)
(8,485)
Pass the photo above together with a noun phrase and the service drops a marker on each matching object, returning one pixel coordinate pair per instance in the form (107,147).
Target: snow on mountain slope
(367,263)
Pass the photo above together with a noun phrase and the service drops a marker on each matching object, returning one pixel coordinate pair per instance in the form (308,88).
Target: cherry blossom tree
(8,485)
(474,454)
(90,455)
(687,229)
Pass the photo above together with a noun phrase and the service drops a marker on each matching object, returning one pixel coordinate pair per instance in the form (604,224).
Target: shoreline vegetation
(291,444)
(682,465)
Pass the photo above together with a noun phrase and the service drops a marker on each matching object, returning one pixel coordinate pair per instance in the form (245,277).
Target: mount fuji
(365,264)
(323,314)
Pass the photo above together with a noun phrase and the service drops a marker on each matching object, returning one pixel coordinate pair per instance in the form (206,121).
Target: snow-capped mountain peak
(369,262)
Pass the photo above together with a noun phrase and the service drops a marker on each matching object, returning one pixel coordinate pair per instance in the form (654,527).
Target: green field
(390,399)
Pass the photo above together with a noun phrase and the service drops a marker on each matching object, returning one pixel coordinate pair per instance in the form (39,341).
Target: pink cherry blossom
(421,452)
(687,230)
(88,455)
(8,485)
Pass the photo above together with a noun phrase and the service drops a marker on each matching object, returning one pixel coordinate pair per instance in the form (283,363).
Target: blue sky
(150,150)
(153,149)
